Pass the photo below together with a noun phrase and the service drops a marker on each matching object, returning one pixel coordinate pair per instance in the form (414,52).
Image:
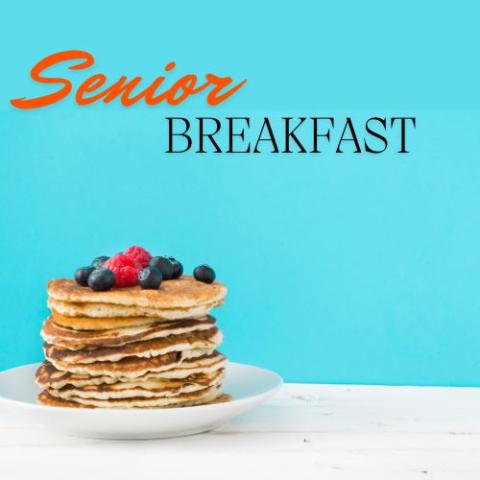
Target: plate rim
(136,411)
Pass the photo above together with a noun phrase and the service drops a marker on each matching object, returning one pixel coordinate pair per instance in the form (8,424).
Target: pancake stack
(132,348)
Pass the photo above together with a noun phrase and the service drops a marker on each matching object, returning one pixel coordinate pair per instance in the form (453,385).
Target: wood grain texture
(306,431)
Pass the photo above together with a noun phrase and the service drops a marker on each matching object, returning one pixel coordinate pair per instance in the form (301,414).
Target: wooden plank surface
(305,431)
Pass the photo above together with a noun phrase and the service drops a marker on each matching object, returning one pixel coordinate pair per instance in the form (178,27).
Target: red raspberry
(139,255)
(125,270)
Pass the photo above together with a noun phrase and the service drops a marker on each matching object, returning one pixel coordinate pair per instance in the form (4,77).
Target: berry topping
(99,261)
(125,269)
(204,273)
(101,280)
(139,255)
(164,265)
(82,274)
(150,277)
(177,267)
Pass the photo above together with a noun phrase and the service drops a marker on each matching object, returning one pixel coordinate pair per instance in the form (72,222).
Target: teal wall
(341,268)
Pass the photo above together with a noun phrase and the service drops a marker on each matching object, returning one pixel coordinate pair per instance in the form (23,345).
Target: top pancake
(180,293)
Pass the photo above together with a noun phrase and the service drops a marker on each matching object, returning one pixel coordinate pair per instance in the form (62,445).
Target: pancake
(48,376)
(204,340)
(133,367)
(99,323)
(132,348)
(78,339)
(185,399)
(183,292)
(111,310)
(147,389)
(46,399)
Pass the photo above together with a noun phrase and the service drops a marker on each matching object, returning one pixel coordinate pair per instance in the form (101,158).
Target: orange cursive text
(128,90)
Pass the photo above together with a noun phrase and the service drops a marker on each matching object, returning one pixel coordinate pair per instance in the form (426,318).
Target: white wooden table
(305,431)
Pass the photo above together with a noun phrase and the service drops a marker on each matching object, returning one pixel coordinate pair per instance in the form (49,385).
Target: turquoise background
(341,268)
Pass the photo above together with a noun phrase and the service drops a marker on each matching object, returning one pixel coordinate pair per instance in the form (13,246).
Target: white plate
(247,384)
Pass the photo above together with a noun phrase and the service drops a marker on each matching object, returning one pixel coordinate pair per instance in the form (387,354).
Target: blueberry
(82,274)
(164,265)
(99,261)
(204,273)
(150,277)
(177,267)
(101,280)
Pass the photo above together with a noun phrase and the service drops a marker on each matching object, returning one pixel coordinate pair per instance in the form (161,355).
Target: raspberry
(139,255)
(125,270)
